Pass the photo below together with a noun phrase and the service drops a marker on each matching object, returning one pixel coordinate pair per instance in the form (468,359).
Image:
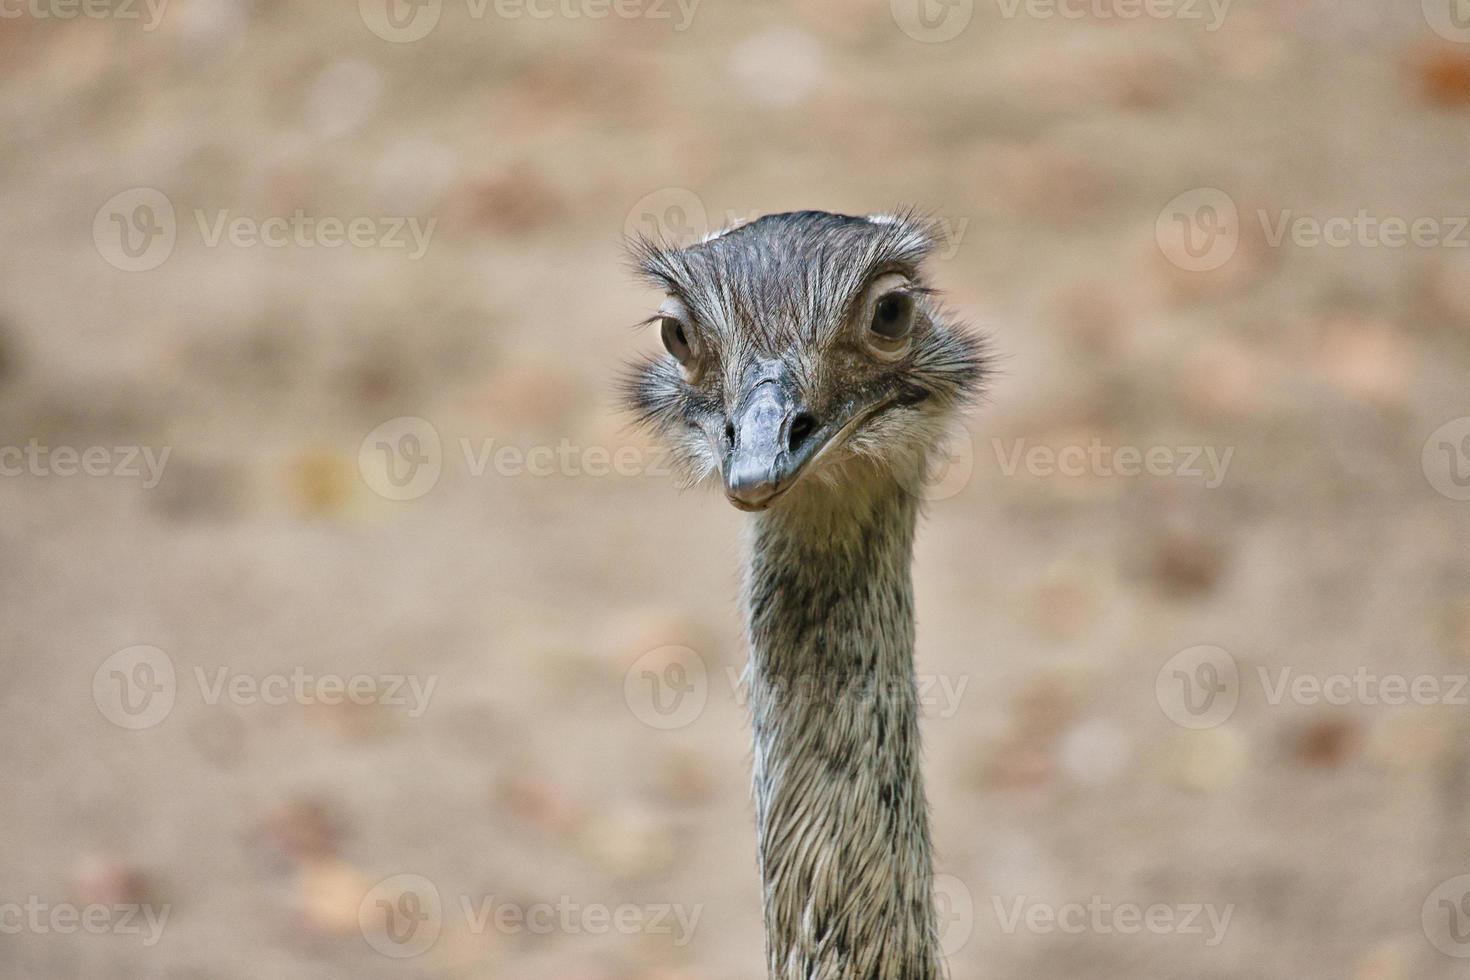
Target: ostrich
(810,367)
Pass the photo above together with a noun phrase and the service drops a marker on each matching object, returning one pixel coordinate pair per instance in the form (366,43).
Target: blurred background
(346,630)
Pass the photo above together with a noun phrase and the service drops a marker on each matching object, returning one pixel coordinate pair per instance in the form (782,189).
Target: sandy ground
(522,794)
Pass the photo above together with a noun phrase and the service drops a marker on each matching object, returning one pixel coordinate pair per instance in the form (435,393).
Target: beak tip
(752,496)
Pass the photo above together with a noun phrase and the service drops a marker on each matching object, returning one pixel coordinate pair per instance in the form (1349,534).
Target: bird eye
(885,326)
(676,339)
(893,317)
(679,338)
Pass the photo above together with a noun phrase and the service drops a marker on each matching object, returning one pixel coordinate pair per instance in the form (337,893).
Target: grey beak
(772,439)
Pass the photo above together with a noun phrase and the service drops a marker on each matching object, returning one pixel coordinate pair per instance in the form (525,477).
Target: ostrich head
(802,351)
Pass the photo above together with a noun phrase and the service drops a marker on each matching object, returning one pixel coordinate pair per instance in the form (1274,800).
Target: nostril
(730,435)
(801,429)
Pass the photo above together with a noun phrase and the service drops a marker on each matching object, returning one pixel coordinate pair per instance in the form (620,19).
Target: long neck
(842,823)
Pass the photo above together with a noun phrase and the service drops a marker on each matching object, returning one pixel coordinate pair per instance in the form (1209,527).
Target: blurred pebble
(629,842)
(413,173)
(1412,741)
(778,67)
(301,830)
(540,804)
(321,483)
(1025,756)
(1206,761)
(1141,79)
(1383,962)
(1173,269)
(1048,703)
(1366,358)
(1447,284)
(465,952)
(1093,314)
(348,719)
(341,98)
(98,880)
(685,777)
(1015,764)
(525,395)
(1037,179)
(843,18)
(517,201)
(1066,605)
(329,892)
(1327,743)
(632,633)
(1095,752)
(1252,50)
(214,29)
(1443,76)
(8,365)
(1456,619)
(196,489)
(1222,377)
(1187,563)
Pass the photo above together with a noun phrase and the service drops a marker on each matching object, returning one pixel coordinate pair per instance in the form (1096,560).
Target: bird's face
(798,344)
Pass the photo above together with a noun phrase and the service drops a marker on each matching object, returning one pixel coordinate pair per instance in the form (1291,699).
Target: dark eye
(893,316)
(676,339)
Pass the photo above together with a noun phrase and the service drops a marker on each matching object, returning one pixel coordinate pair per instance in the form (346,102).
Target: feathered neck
(842,823)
